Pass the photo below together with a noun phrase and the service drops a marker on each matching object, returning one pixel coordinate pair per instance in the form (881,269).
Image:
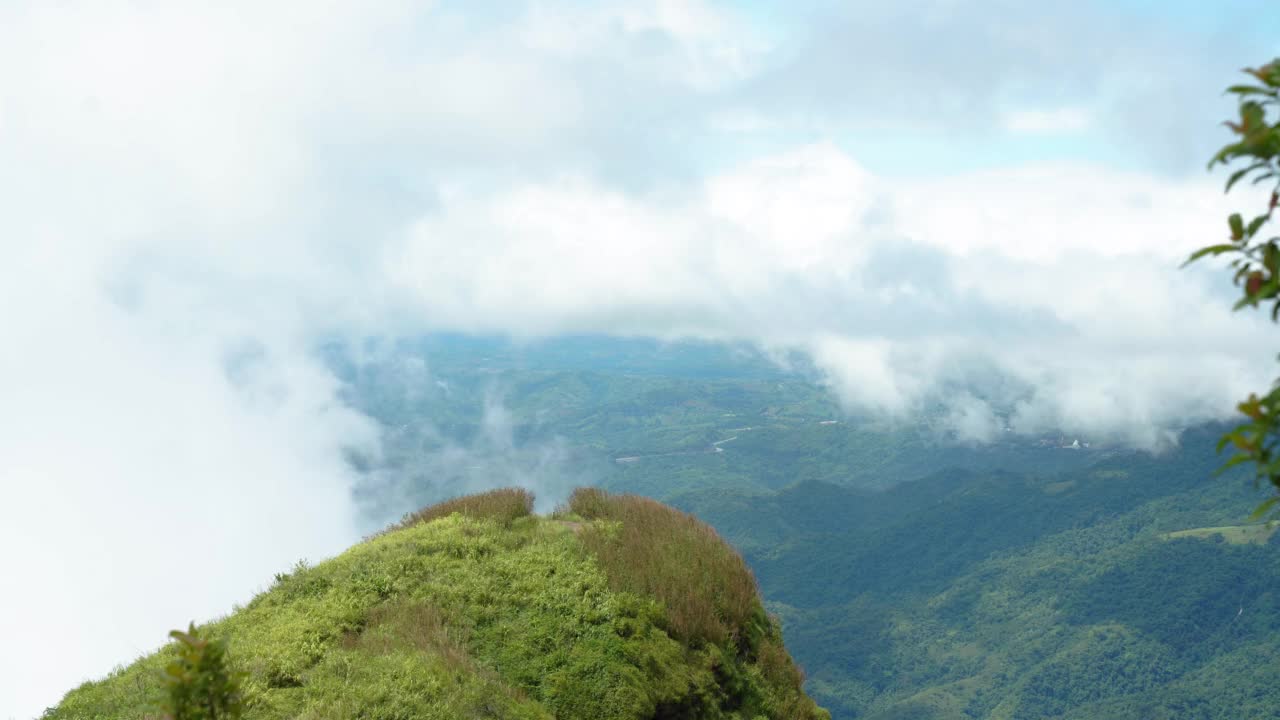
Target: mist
(441,439)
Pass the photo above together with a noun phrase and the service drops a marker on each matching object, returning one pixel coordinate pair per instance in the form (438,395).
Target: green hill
(615,607)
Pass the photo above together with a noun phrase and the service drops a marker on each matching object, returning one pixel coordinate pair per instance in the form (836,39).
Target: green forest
(1127,589)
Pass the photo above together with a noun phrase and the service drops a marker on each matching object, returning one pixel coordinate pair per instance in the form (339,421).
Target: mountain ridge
(478,608)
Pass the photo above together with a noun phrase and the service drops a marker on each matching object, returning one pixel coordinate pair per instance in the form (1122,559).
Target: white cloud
(1049,275)
(142,480)
(1044,212)
(867,373)
(972,420)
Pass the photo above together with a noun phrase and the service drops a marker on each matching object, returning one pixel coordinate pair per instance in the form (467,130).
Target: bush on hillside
(505,505)
(198,684)
(709,593)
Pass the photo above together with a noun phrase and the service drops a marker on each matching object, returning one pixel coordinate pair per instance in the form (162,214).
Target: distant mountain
(1127,589)
(613,608)
(463,413)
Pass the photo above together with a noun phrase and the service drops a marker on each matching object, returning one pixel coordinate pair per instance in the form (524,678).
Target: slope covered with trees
(1132,588)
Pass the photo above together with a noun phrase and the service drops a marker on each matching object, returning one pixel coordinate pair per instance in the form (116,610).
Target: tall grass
(709,593)
(504,505)
(417,625)
(778,667)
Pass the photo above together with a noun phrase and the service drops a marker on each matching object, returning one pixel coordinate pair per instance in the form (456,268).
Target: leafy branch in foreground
(1255,260)
(198,683)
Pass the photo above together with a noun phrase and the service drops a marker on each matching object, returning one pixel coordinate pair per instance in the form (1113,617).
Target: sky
(918,195)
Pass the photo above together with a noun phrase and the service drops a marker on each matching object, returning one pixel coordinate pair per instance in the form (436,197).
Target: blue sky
(1091,58)
(913,194)
(938,87)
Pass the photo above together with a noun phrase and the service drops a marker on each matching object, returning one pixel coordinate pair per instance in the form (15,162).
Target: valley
(915,577)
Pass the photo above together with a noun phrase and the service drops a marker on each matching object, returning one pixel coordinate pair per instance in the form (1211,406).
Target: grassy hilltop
(618,607)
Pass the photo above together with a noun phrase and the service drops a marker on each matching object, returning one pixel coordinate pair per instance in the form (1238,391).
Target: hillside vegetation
(615,607)
(1126,590)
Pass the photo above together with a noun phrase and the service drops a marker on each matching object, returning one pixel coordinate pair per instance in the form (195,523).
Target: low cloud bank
(996,296)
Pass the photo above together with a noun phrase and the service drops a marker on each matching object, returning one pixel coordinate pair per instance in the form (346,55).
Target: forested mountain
(1125,589)
(916,577)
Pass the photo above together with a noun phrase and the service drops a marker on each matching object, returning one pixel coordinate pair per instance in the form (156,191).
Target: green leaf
(1226,152)
(1237,226)
(1224,441)
(1239,174)
(1256,223)
(1270,289)
(1235,461)
(1269,73)
(1250,90)
(1235,178)
(1271,469)
(1263,508)
(1211,250)
(1252,116)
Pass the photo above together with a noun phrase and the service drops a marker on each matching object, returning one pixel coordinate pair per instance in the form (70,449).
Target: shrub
(709,594)
(505,505)
(198,684)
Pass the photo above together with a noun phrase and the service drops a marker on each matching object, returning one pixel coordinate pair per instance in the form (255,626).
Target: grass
(477,609)
(709,594)
(505,506)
